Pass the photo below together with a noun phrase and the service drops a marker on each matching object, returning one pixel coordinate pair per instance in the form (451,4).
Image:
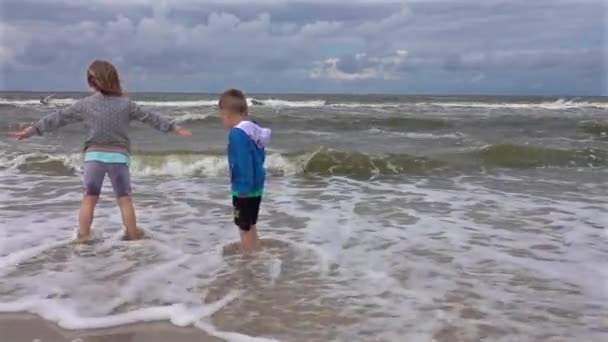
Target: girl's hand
(22,134)
(182,132)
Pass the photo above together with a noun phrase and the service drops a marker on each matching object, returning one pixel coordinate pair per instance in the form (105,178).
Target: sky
(494,47)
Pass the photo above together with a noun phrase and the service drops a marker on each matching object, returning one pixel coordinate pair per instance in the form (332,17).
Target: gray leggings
(95,172)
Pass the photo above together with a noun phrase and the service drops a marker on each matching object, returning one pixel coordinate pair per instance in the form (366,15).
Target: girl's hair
(103,76)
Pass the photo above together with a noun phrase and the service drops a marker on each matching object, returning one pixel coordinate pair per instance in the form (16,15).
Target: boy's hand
(22,134)
(182,132)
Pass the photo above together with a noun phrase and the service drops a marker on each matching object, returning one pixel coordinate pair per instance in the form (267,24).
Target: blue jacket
(246,155)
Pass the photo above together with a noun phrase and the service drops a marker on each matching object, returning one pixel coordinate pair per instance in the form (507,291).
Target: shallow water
(510,247)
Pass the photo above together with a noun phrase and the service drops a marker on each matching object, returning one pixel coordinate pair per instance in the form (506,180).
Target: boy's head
(233,106)
(103,77)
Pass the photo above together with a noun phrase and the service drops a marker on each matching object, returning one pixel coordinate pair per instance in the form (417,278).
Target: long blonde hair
(103,76)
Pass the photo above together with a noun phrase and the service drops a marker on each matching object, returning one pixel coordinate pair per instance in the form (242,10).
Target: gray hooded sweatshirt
(107,120)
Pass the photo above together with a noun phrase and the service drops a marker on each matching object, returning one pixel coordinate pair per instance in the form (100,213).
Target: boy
(246,154)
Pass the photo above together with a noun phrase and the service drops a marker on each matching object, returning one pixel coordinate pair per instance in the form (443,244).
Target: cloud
(525,60)
(360,67)
(13,42)
(395,21)
(478,78)
(274,45)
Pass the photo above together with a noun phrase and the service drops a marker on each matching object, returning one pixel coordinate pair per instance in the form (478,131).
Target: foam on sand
(230,336)
(11,261)
(67,317)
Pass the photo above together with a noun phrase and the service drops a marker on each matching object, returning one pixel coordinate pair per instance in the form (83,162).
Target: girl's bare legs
(85,217)
(128,217)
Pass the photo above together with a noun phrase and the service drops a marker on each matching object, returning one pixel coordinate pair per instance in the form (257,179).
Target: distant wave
(307,124)
(560,104)
(417,135)
(201,103)
(296,104)
(35,102)
(195,117)
(599,129)
(69,101)
(171,103)
(555,105)
(324,161)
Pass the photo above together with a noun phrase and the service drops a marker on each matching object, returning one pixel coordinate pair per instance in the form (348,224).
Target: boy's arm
(241,162)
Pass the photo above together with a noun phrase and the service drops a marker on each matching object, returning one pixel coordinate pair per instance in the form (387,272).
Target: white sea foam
(34,102)
(313,132)
(68,318)
(296,104)
(201,103)
(167,165)
(385,258)
(208,166)
(559,104)
(354,105)
(193,117)
(417,135)
(169,103)
(11,261)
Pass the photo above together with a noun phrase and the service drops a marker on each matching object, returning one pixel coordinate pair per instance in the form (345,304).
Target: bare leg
(249,240)
(128,217)
(85,217)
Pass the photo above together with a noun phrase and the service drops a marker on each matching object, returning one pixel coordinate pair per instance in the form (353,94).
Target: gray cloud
(362,66)
(451,46)
(527,60)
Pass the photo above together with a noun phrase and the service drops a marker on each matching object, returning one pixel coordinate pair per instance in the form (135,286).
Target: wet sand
(30,328)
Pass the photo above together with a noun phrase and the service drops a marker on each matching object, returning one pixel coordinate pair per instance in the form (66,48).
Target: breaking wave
(324,162)
(598,129)
(560,104)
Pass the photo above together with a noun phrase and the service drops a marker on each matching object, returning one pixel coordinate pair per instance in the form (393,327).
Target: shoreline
(26,327)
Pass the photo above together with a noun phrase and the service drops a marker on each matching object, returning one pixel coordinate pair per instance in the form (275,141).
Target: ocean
(386,218)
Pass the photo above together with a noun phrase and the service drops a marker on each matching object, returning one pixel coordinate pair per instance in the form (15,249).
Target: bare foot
(84,239)
(249,247)
(138,234)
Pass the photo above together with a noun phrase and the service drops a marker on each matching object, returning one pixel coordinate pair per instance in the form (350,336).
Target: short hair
(233,100)
(103,76)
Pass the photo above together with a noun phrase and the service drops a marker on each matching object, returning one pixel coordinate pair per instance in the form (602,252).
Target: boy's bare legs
(128,217)
(249,239)
(85,217)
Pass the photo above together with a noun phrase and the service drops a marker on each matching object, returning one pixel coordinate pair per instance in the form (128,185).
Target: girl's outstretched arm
(51,122)
(156,121)
(22,134)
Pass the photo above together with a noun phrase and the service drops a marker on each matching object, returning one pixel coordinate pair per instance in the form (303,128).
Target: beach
(28,328)
(385,218)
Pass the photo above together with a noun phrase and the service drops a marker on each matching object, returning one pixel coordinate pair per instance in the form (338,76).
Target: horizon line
(312,93)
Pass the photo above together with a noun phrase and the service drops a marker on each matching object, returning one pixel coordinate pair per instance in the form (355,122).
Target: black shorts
(246,211)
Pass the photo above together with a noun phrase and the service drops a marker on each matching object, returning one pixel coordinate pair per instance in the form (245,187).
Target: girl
(106,115)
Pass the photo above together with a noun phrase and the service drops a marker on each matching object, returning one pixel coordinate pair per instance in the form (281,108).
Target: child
(246,156)
(106,115)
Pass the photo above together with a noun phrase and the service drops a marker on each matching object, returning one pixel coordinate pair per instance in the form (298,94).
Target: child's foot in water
(135,235)
(250,242)
(84,239)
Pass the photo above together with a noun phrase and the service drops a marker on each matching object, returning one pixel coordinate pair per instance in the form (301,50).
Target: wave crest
(559,104)
(324,162)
